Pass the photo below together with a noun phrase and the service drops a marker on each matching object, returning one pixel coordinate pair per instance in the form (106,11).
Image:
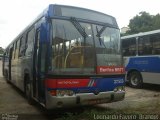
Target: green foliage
(144,22)
(156,21)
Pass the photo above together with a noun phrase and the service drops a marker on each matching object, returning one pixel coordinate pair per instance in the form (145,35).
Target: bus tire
(135,80)
(28,92)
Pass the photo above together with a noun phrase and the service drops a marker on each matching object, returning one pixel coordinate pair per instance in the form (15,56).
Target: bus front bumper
(80,99)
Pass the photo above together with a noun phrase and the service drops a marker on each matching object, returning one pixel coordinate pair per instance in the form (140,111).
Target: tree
(1,50)
(144,22)
(156,21)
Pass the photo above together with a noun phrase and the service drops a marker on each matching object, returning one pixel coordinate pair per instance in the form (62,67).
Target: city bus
(141,54)
(68,56)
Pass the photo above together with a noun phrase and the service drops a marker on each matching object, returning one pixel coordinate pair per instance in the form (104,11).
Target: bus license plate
(94,101)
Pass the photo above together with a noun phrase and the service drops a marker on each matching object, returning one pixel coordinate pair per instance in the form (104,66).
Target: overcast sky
(15,15)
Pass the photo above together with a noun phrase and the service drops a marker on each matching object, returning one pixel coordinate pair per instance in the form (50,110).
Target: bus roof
(141,34)
(68,11)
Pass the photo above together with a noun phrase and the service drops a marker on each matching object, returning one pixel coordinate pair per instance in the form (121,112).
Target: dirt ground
(12,101)
(148,98)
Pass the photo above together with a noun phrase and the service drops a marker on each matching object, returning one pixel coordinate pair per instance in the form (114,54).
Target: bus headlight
(64,93)
(119,89)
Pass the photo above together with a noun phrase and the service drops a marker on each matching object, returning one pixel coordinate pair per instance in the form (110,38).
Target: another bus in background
(141,54)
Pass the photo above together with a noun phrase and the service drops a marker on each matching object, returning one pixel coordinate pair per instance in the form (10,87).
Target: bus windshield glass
(78,47)
(107,45)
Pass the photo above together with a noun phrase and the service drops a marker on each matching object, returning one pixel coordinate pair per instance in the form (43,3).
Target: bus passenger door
(9,65)
(35,64)
(38,86)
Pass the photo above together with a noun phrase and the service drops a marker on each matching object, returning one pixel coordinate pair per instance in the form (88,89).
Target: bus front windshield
(78,48)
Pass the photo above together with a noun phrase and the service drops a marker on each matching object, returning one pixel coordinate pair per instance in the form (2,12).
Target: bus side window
(17,49)
(144,46)
(129,47)
(156,44)
(15,46)
(29,43)
(22,46)
(13,51)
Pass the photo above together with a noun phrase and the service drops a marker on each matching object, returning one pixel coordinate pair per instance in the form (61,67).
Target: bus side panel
(149,77)
(148,66)
(23,68)
(14,71)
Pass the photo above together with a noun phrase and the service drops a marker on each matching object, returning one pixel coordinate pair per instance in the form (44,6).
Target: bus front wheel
(135,80)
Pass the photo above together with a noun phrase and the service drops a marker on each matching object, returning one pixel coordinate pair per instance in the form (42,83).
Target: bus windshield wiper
(78,26)
(99,35)
(101,31)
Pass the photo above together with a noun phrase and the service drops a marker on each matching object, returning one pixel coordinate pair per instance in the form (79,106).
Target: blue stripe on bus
(144,64)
